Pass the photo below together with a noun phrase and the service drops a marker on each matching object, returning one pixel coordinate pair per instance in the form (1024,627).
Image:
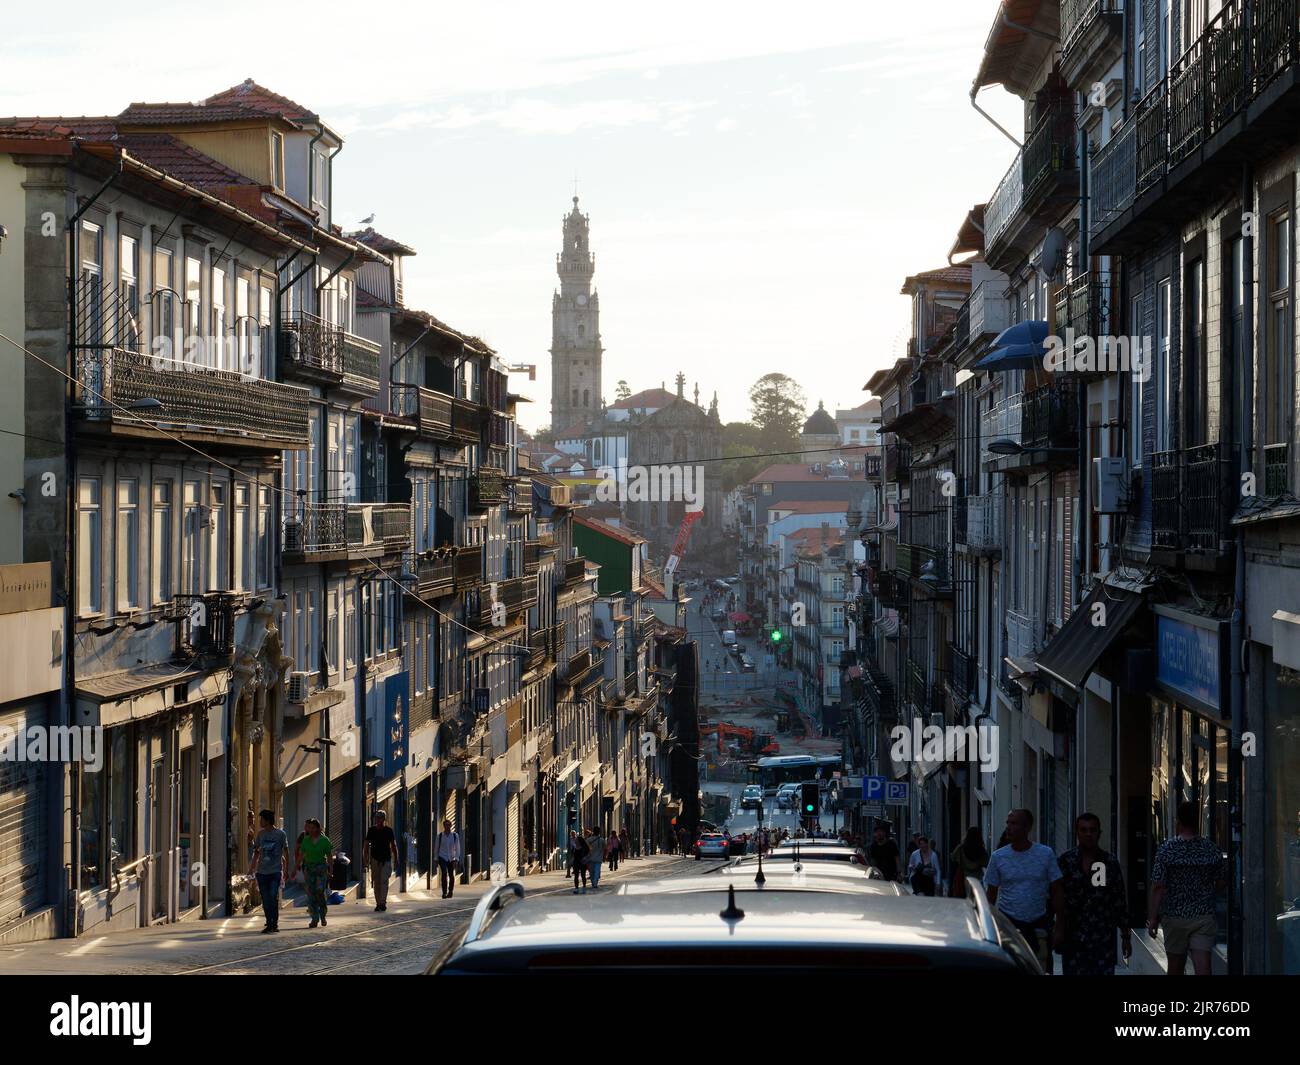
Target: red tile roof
(792,471)
(651,397)
(811,506)
(612,531)
(164,152)
(379,242)
(810,538)
(82,127)
(145,114)
(956,276)
(258,98)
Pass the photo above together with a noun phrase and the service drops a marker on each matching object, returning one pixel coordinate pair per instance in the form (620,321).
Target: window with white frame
(264,539)
(163,303)
(243,537)
(350,637)
(219,537)
(127,544)
(90,531)
(1136,385)
(128,285)
(193,299)
(161,540)
(333,620)
(217,358)
(192,540)
(1164,365)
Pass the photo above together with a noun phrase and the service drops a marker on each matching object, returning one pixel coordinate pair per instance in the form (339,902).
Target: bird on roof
(367,220)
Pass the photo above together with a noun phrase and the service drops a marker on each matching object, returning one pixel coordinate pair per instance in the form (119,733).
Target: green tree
(622,392)
(740,442)
(778,405)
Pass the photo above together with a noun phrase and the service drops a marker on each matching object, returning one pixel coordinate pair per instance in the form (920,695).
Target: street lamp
(1004,445)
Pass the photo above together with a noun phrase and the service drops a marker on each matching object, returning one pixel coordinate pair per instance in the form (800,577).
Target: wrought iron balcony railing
(487,488)
(1051,418)
(575,570)
(962,677)
(1078,16)
(1192,498)
(193,401)
(207,624)
(1276,469)
(437,414)
(1081,307)
(311,528)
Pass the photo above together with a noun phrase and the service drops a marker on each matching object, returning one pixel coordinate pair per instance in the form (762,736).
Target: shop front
(1191,732)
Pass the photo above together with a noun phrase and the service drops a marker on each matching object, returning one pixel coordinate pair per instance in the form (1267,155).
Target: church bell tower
(575,330)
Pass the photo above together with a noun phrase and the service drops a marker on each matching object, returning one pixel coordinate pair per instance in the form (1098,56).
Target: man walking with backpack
(446,849)
(578,851)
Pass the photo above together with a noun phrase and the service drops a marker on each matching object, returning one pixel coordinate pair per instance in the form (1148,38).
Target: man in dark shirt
(884,854)
(380,856)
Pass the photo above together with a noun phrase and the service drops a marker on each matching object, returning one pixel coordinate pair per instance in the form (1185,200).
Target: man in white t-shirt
(446,848)
(1023,880)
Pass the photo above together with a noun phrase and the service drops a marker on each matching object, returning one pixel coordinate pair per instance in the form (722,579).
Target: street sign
(896,793)
(873,788)
(873,809)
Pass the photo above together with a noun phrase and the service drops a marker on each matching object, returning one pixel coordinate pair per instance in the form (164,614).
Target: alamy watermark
(946,743)
(57,743)
(660,483)
(1075,353)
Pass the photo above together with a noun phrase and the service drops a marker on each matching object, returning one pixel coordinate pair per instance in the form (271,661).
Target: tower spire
(575,327)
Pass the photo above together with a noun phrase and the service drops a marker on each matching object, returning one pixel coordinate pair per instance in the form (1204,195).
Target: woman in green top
(316,859)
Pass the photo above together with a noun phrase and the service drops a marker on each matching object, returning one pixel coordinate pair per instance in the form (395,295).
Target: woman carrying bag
(923,868)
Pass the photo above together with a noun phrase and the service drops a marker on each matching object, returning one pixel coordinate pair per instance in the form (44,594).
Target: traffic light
(776,635)
(811,798)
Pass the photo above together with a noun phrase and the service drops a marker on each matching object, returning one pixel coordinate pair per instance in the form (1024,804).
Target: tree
(740,441)
(622,392)
(544,436)
(778,405)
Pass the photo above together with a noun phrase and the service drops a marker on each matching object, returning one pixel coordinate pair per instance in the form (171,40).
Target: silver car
(733,926)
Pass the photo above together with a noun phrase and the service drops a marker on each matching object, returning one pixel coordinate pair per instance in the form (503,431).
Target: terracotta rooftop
(144,114)
(612,531)
(650,397)
(785,472)
(164,152)
(811,506)
(259,98)
(379,242)
(957,276)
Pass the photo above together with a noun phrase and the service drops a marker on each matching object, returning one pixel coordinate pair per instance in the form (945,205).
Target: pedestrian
(578,851)
(912,844)
(317,863)
(923,869)
(379,855)
(624,841)
(1024,882)
(613,850)
(884,854)
(271,866)
(1095,904)
(446,848)
(1187,873)
(968,860)
(595,855)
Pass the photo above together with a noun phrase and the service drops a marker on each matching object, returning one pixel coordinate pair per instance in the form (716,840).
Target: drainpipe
(72,884)
(990,119)
(1082,520)
(1245,454)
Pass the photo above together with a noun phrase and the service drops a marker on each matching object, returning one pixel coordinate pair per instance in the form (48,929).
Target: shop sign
(1191,659)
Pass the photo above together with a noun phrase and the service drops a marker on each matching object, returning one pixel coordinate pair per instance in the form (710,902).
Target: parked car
(712,845)
(727,925)
(787,796)
(747,664)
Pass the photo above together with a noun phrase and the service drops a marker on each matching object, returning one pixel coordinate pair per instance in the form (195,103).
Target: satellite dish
(1052,257)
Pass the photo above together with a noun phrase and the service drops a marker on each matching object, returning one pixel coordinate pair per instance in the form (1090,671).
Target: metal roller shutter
(512,834)
(22,828)
(334,814)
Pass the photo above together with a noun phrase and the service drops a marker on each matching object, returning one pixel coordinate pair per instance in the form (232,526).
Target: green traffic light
(776,636)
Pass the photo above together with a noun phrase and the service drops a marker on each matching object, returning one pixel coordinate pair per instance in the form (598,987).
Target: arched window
(582,330)
(586,398)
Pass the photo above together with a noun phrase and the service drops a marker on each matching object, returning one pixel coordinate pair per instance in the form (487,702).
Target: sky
(760,177)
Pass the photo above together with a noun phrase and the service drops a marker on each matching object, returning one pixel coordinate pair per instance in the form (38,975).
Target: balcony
(1081,21)
(1225,99)
(515,594)
(1051,417)
(1276,466)
(436,414)
(983,530)
(918,691)
(325,532)
(1192,500)
(197,404)
(314,350)
(906,561)
(962,678)
(990,310)
(1081,307)
(576,665)
(207,624)
(538,642)
(435,571)
(1001,421)
(532,556)
(519,495)
(1042,179)
(575,570)
(1021,641)
(487,488)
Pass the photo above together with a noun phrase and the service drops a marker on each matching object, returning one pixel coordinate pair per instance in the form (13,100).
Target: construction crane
(679,545)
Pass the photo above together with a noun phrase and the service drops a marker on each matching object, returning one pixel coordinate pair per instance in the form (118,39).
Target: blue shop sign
(397,698)
(1191,660)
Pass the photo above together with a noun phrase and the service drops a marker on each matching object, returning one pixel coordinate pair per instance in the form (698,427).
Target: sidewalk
(225,941)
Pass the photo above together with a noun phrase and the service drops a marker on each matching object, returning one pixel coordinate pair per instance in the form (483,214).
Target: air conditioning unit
(1110,490)
(299,685)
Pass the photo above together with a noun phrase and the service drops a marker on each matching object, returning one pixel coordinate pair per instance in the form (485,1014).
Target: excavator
(759,743)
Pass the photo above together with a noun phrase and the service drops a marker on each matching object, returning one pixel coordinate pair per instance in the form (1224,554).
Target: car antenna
(732,912)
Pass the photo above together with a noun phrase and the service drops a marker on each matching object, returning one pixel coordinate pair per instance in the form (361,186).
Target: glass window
(161,546)
(264,545)
(243,538)
(192,540)
(89,556)
(1164,365)
(128,543)
(163,302)
(218,355)
(193,301)
(219,538)
(350,629)
(93,858)
(128,288)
